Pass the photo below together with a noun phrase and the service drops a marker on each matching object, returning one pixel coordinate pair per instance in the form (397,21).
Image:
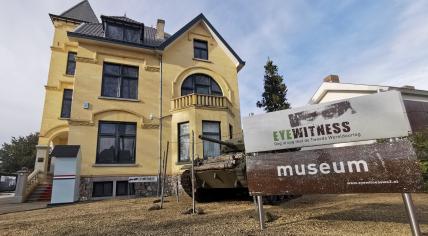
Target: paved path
(17,207)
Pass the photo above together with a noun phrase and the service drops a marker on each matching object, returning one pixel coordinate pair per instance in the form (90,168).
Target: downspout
(160,125)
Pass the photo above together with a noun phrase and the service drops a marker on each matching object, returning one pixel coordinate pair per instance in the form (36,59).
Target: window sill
(67,75)
(183,163)
(203,60)
(115,165)
(63,118)
(120,99)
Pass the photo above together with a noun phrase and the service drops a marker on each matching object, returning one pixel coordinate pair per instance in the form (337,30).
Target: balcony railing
(200,100)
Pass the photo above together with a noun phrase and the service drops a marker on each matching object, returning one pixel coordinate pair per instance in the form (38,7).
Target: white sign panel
(140,179)
(376,116)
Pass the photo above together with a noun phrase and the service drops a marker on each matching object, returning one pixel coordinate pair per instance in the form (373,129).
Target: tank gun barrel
(229,145)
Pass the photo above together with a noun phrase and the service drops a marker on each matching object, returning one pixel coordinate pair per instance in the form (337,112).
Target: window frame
(203,133)
(179,141)
(63,105)
(200,49)
(102,182)
(129,192)
(116,142)
(119,93)
(195,85)
(123,27)
(69,62)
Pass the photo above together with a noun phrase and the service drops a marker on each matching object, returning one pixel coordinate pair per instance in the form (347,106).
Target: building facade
(128,94)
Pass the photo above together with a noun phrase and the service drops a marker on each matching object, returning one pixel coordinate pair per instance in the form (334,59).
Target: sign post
(410,209)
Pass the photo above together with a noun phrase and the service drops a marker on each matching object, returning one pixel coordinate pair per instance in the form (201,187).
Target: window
(124,188)
(67,98)
(211,129)
(123,33)
(116,143)
(102,189)
(200,84)
(200,49)
(119,81)
(183,142)
(71,63)
(230,131)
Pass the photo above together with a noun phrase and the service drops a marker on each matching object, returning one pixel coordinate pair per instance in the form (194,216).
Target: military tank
(223,176)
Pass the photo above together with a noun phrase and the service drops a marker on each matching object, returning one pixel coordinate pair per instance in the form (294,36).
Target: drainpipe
(160,126)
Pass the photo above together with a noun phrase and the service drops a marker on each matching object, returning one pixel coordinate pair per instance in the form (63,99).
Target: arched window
(200,84)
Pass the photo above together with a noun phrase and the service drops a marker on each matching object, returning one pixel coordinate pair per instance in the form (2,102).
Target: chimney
(332,79)
(160,27)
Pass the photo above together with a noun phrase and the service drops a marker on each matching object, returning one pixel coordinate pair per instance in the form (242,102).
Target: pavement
(7,207)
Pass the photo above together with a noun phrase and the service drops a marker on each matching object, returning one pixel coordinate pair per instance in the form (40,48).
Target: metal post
(410,209)
(261,212)
(176,190)
(193,172)
(162,182)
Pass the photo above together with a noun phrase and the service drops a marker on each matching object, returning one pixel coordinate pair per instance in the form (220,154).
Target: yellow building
(123,91)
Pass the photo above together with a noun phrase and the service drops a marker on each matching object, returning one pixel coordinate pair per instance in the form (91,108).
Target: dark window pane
(203,55)
(188,83)
(112,69)
(106,149)
(132,35)
(107,128)
(185,92)
(121,188)
(102,189)
(200,84)
(211,130)
(130,71)
(71,63)
(184,139)
(110,86)
(230,131)
(66,103)
(116,143)
(114,31)
(129,88)
(126,149)
(202,90)
(200,44)
(202,80)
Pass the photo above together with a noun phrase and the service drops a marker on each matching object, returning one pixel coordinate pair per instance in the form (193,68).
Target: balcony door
(200,84)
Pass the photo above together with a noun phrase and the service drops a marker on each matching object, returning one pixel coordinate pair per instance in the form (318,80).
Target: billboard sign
(373,168)
(376,116)
(142,179)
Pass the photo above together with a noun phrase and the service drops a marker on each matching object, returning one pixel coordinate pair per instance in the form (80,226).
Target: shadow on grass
(376,212)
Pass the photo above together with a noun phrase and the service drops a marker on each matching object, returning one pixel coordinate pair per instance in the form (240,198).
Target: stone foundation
(147,189)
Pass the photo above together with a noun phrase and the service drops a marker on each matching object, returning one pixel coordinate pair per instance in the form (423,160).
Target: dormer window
(123,32)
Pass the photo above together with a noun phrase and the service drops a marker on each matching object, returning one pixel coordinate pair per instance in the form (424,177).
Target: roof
(325,87)
(121,18)
(95,31)
(81,12)
(65,151)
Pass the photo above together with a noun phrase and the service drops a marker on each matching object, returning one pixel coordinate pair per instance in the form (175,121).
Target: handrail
(200,100)
(32,181)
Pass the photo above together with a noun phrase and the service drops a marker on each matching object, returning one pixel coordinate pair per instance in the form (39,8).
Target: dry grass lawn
(349,214)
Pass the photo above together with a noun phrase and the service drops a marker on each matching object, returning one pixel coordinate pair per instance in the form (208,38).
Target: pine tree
(274,96)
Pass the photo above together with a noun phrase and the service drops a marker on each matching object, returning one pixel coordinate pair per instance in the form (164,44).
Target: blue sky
(371,42)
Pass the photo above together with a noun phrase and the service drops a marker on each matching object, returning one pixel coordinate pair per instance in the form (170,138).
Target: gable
(201,19)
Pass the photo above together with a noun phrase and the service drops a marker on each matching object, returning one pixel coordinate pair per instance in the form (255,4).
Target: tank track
(201,195)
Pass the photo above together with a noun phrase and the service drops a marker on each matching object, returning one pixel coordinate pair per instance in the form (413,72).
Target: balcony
(200,100)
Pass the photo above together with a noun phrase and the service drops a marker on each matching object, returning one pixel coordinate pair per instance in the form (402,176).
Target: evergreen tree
(275,90)
(20,152)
